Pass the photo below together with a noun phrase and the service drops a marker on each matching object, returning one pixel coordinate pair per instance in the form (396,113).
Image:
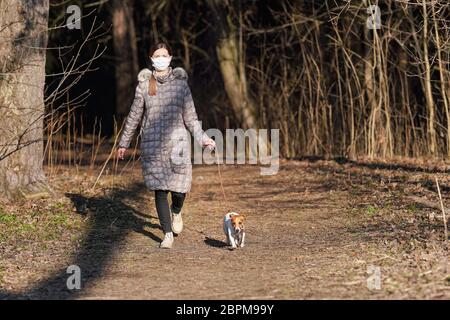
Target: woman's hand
(121,153)
(210,144)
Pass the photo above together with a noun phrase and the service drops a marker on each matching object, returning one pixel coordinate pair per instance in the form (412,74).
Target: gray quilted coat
(165,142)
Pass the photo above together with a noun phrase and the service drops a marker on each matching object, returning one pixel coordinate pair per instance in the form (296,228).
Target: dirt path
(313,231)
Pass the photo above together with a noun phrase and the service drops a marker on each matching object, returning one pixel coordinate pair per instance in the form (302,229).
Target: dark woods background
(186,26)
(312,69)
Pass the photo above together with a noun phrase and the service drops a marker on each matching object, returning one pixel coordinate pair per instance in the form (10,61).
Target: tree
(23,43)
(125,52)
(230,53)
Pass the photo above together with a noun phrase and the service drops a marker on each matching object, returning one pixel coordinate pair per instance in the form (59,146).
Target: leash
(218,169)
(220,175)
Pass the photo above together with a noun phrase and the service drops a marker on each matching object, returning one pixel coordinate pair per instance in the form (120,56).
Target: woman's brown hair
(152,83)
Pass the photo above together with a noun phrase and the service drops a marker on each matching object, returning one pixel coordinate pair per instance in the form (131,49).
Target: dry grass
(313,230)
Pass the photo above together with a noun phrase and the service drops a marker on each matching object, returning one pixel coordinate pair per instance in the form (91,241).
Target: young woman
(165,146)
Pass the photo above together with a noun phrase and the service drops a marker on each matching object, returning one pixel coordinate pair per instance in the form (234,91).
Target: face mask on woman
(161,63)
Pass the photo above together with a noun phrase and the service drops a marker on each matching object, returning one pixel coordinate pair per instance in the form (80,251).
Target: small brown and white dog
(233,226)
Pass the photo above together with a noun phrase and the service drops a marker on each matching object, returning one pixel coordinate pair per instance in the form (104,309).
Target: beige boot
(167,242)
(177,223)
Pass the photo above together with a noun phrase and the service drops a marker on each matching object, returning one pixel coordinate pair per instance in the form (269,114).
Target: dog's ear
(243,216)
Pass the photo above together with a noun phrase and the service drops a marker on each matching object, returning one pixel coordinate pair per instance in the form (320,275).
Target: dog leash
(220,175)
(218,169)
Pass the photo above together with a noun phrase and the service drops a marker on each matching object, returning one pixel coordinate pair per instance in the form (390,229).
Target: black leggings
(162,207)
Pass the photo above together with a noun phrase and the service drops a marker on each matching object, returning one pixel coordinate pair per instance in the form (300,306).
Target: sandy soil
(315,230)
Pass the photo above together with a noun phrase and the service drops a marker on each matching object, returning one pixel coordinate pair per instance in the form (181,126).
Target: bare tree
(23,42)
(125,52)
(342,87)
(230,53)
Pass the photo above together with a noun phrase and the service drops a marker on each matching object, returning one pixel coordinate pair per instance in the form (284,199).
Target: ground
(316,230)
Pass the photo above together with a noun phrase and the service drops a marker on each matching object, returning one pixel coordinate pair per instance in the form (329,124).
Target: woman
(165,144)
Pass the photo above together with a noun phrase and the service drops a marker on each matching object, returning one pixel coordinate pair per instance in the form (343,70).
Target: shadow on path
(111,220)
(214,243)
(375,165)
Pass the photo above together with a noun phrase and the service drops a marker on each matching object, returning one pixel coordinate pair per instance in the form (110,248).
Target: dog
(233,226)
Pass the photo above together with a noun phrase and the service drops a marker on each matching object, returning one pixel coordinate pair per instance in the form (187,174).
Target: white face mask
(161,63)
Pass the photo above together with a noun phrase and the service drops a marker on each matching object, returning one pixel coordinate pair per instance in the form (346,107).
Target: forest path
(293,240)
(314,231)
(305,239)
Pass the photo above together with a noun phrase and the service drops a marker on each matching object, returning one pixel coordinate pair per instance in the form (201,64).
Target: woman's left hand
(210,143)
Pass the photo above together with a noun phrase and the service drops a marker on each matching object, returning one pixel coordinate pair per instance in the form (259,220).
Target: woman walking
(163,101)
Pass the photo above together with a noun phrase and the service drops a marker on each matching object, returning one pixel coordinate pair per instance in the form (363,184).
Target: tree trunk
(125,51)
(375,125)
(23,43)
(432,141)
(443,77)
(232,65)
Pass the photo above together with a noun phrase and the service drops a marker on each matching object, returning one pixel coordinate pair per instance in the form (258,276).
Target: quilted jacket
(165,119)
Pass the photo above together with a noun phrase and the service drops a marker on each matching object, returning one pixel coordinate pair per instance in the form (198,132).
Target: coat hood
(176,73)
